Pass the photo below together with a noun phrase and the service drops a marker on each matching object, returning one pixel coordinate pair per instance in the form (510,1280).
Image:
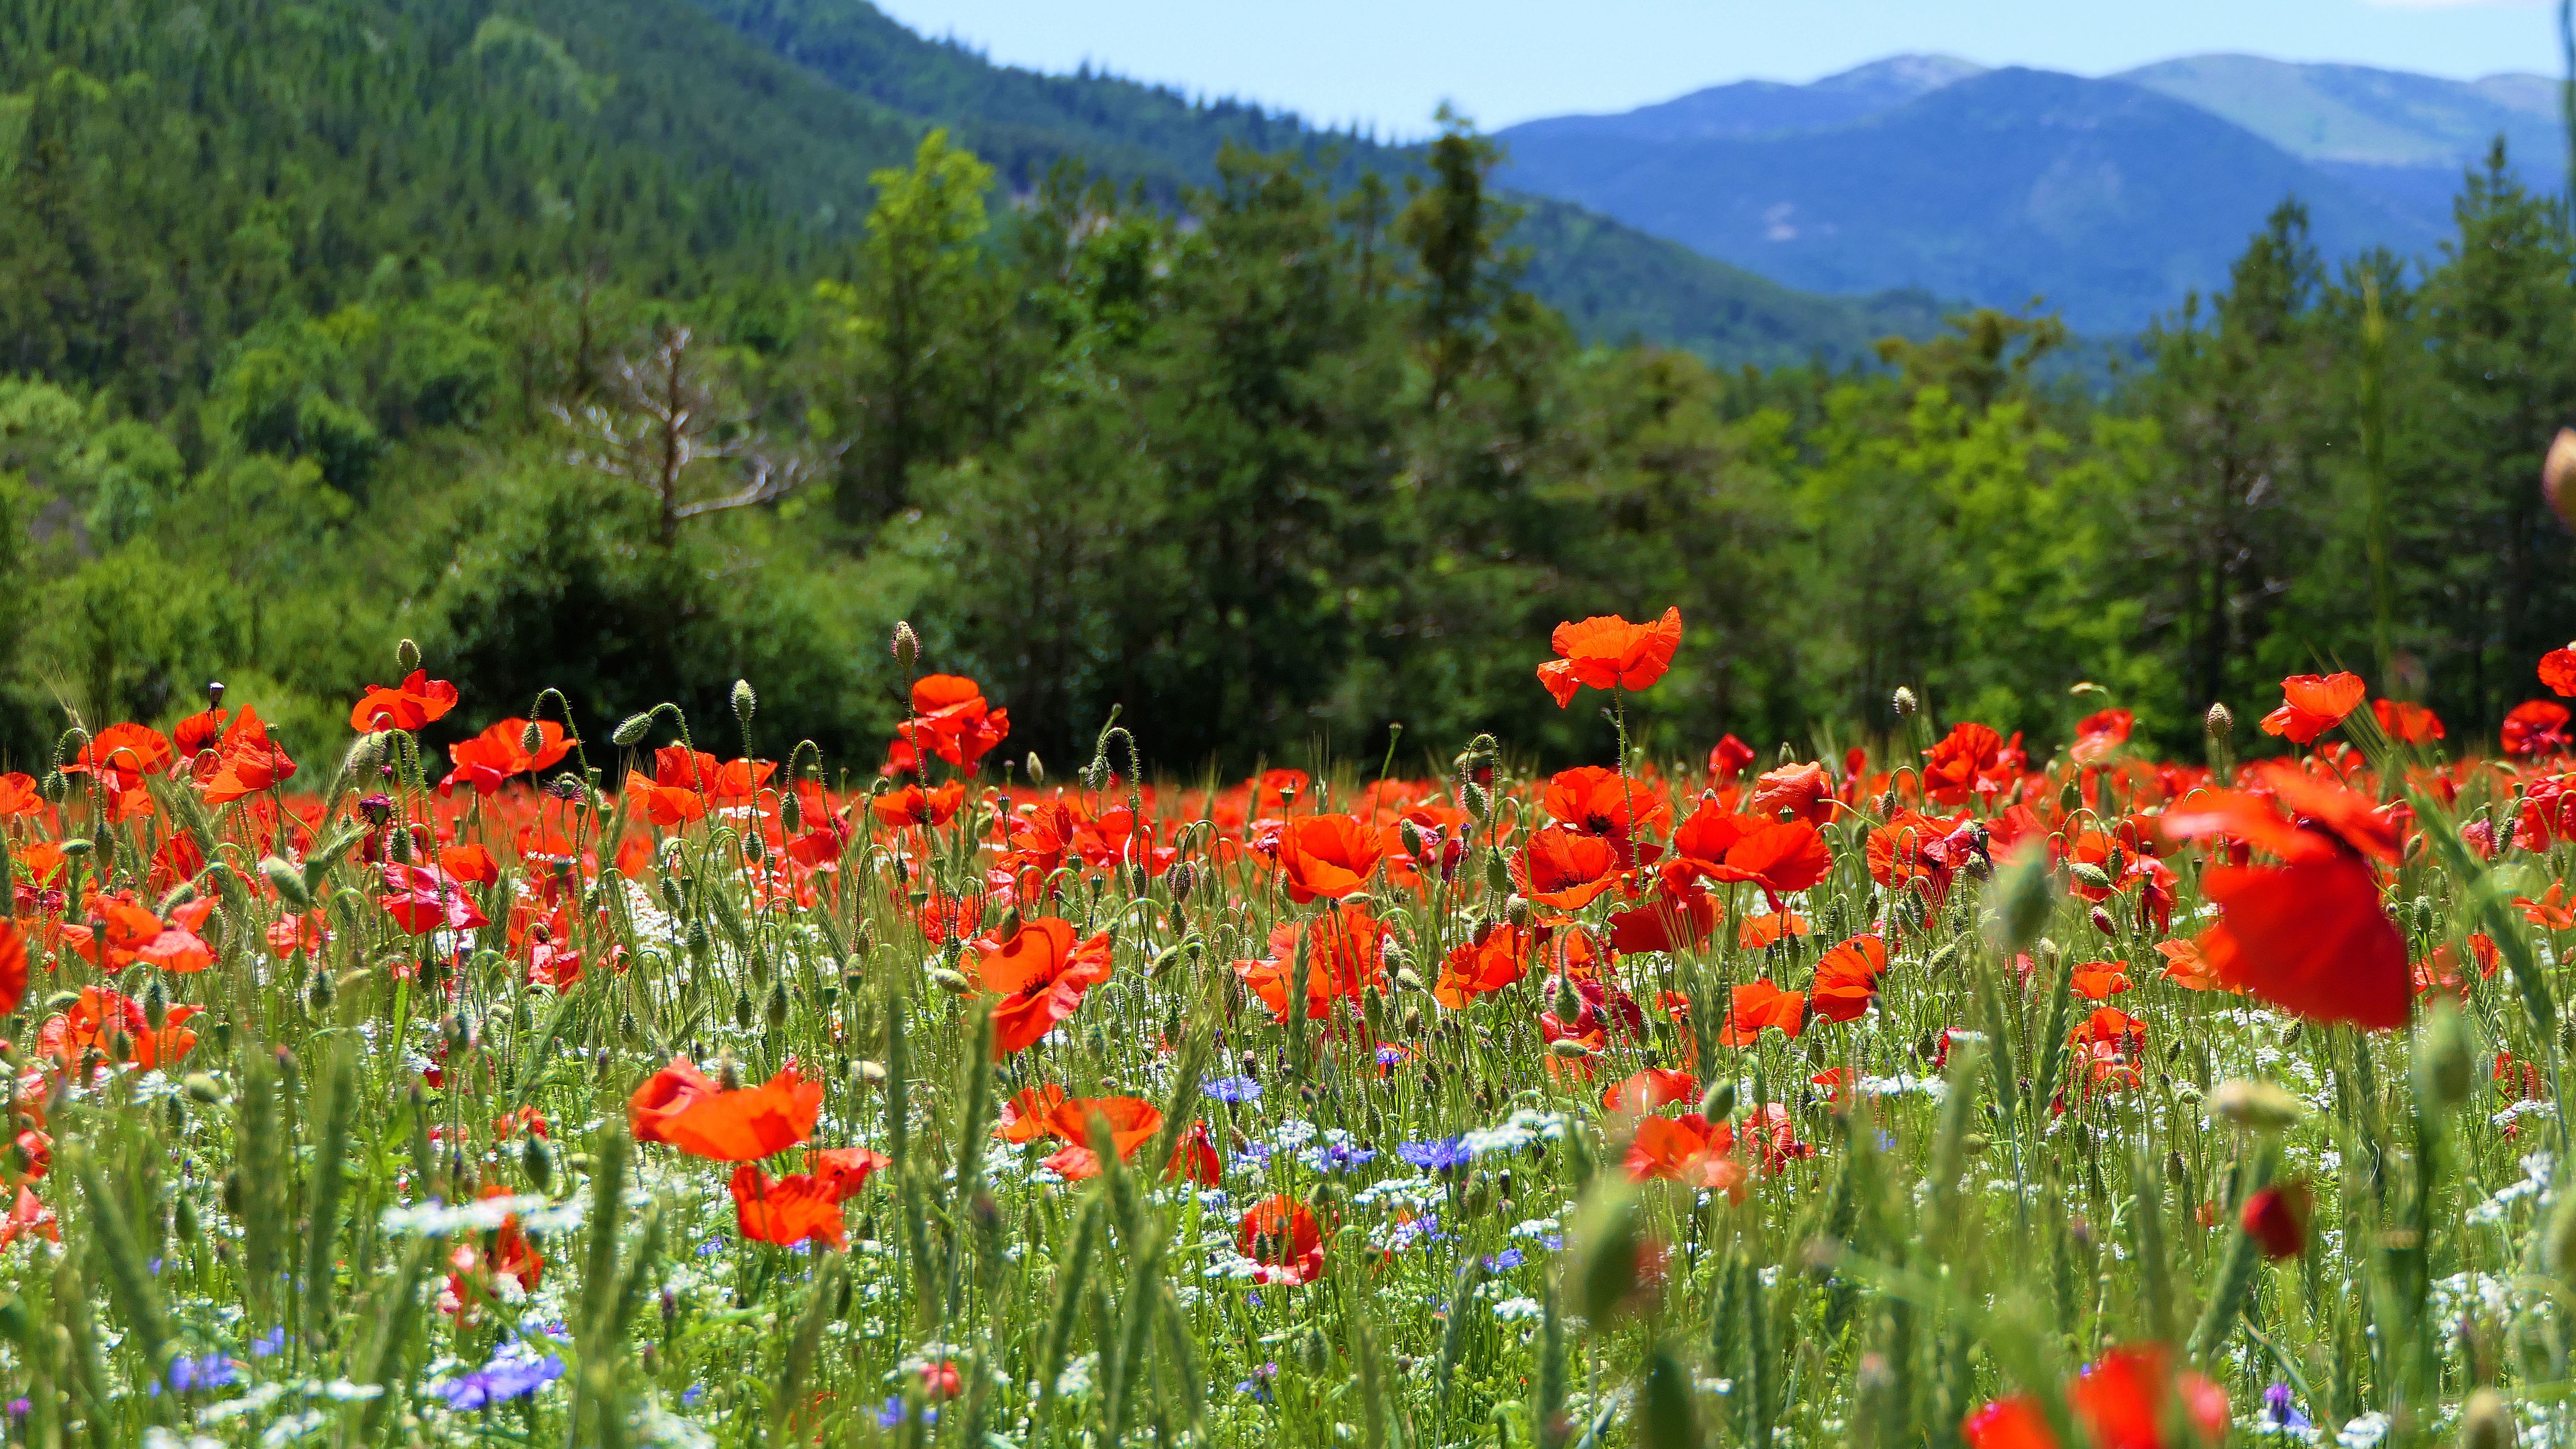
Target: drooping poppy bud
(2277,1219)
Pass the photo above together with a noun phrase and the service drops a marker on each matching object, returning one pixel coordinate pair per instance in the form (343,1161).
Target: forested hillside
(330,324)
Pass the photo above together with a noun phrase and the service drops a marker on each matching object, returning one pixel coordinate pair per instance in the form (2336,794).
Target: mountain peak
(1899,78)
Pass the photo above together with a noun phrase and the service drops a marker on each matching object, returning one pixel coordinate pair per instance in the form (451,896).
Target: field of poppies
(656,1082)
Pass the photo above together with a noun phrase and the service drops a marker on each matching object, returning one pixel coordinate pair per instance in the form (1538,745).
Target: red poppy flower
(1608,652)
(1280,1235)
(682,1107)
(842,1171)
(1566,871)
(2313,704)
(2101,732)
(410,705)
(786,1211)
(500,752)
(1195,1159)
(2558,670)
(2538,727)
(1649,1089)
(2408,724)
(1728,757)
(1847,978)
(667,806)
(1782,859)
(2100,980)
(1687,1149)
(199,732)
(29,1217)
(422,899)
(1481,967)
(2012,1423)
(19,797)
(1963,763)
(1030,1114)
(2277,1218)
(100,1016)
(2122,1399)
(1327,855)
(1805,791)
(470,863)
(2553,911)
(245,763)
(1133,1122)
(1041,975)
(1758,1004)
(13,966)
(1343,956)
(1592,800)
(950,721)
(1769,928)
(912,805)
(122,754)
(2310,937)
(1668,920)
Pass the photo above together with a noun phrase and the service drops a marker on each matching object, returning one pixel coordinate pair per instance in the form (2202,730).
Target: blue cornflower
(1445,1155)
(212,1371)
(689,1396)
(2280,1415)
(500,1381)
(1337,1156)
(268,1344)
(892,1413)
(1424,1229)
(1233,1091)
(1508,1258)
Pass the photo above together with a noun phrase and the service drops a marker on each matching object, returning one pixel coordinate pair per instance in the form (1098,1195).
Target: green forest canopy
(322,327)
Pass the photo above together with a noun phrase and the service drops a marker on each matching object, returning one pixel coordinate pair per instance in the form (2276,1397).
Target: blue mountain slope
(2106,200)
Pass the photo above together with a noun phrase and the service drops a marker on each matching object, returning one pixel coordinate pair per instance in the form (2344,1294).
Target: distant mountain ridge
(2109,198)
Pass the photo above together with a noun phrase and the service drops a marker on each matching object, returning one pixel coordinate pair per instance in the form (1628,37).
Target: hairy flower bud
(2256,1106)
(745,703)
(2220,722)
(2557,472)
(532,739)
(627,733)
(1036,769)
(1905,702)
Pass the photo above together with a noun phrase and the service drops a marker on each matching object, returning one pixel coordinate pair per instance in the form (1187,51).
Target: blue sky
(1392,61)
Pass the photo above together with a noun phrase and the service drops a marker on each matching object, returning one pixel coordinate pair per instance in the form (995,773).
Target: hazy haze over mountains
(2110,198)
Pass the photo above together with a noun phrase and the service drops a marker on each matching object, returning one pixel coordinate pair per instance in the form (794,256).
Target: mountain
(2107,200)
(1764,108)
(2404,136)
(1611,280)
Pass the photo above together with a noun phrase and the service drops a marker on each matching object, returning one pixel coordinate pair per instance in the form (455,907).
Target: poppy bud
(532,739)
(745,703)
(631,730)
(231,1195)
(2486,1421)
(1479,804)
(1410,980)
(285,879)
(318,994)
(1516,910)
(1568,1004)
(406,657)
(1569,1049)
(2256,1106)
(1717,1104)
(2277,1219)
(2555,471)
(2102,922)
(540,1166)
(1036,769)
(2445,1057)
(2220,722)
(906,644)
(868,1074)
(1314,1355)
(214,694)
(1905,702)
(204,1088)
(953,982)
(775,1008)
(728,1071)
(2091,875)
(156,1004)
(1607,1241)
(185,1219)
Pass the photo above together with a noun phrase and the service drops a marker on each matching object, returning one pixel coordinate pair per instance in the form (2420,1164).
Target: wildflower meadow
(657,1082)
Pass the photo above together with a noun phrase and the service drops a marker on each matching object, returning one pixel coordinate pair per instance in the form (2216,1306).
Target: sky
(1391,63)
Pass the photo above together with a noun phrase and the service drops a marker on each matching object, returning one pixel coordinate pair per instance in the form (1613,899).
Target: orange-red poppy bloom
(1728,757)
(2558,670)
(2408,724)
(1041,975)
(1608,652)
(1770,928)
(410,705)
(1281,1237)
(1687,1149)
(1132,1121)
(1327,855)
(1757,1004)
(844,1170)
(1670,919)
(423,898)
(1483,966)
(683,1107)
(2553,911)
(1592,800)
(122,754)
(1804,790)
(1962,763)
(104,1019)
(2312,704)
(1195,1159)
(1566,871)
(786,1210)
(501,751)
(1649,1089)
(2100,980)
(1847,978)
(19,796)
(13,966)
(2120,1400)
(2277,1219)
(2537,727)
(912,805)
(1344,952)
(29,1217)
